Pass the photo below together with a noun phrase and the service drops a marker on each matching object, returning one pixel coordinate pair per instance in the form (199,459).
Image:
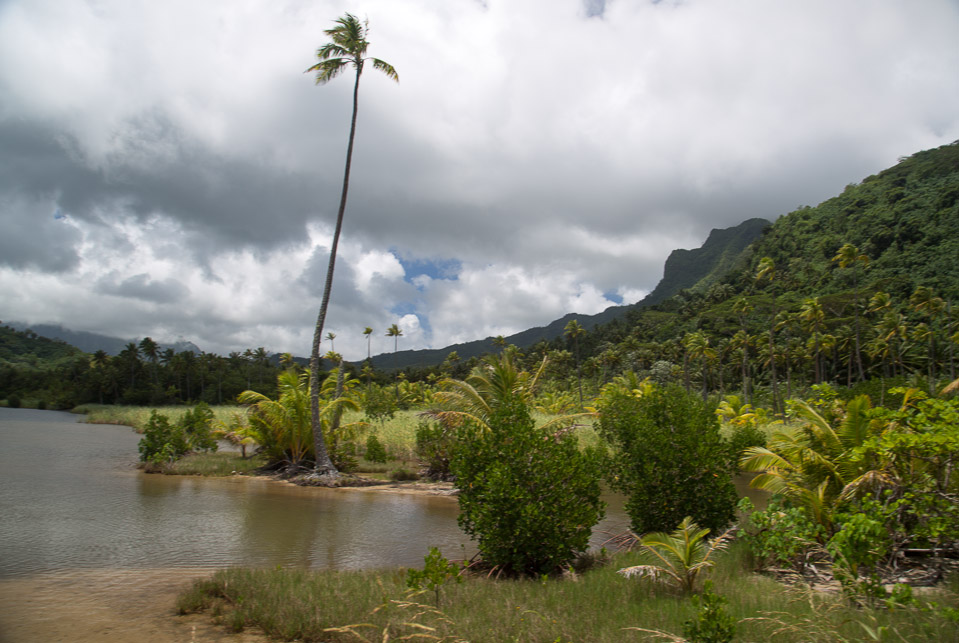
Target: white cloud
(556,156)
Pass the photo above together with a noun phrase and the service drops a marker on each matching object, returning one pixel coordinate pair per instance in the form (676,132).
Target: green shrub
(197,425)
(668,458)
(434,445)
(162,441)
(436,572)
(742,437)
(403,475)
(374,449)
(529,498)
(13,401)
(779,535)
(379,404)
(712,623)
(858,545)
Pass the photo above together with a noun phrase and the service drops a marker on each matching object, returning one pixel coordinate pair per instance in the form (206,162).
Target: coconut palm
(395,332)
(766,270)
(683,555)
(368,331)
(151,350)
(925,302)
(347,49)
(574,330)
(849,256)
(697,347)
(814,318)
(742,308)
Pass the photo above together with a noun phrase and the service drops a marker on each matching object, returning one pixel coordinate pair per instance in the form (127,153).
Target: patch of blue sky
(432,268)
(614,297)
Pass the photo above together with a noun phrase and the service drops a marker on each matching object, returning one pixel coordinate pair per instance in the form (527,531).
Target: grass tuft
(221,463)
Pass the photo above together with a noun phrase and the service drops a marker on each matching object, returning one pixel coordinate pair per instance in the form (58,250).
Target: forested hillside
(904,219)
(863,286)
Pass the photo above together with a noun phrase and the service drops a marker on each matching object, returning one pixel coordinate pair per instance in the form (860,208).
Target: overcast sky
(167,169)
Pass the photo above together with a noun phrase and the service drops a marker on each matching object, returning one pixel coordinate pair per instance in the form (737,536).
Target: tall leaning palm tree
(347,49)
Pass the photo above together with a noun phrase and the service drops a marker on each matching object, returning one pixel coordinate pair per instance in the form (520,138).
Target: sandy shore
(106,606)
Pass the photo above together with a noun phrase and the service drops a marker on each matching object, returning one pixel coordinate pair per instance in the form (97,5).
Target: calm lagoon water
(71,497)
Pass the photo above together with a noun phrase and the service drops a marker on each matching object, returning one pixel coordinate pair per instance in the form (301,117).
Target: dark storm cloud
(224,202)
(144,288)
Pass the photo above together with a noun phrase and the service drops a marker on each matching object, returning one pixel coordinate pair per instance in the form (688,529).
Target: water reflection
(70,497)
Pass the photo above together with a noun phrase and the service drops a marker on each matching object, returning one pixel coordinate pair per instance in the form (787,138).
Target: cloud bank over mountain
(167,169)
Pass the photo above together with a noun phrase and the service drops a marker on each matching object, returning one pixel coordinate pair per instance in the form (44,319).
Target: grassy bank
(398,434)
(221,463)
(596,606)
(138,416)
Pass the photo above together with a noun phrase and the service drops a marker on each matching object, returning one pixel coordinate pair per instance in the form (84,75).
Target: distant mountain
(698,269)
(92,342)
(684,269)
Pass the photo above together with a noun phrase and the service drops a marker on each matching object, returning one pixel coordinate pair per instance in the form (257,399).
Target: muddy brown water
(92,549)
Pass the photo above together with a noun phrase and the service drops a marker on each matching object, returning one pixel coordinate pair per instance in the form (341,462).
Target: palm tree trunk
(324,465)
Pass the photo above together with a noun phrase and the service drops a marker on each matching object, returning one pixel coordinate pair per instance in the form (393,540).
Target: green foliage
(379,404)
(779,535)
(282,426)
(860,542)
(162,442)
(435,442)
(668,457)
(374,449)
(436,572)
(529,497)
(679,557)
(197,425)
(813,464)
(402,474)
(712,623)
(13,401)
(918,450)
(742,437)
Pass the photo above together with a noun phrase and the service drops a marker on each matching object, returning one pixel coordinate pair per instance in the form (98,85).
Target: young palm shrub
(283,426)
(816,466)
(683,555)
(493,383)
(236,430)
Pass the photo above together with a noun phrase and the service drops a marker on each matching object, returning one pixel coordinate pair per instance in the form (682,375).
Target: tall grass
(398,434)
(138,416)
(597,606)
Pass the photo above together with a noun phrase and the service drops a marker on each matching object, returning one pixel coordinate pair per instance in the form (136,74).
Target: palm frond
(386,68)
(653,572)
(762,459)
(772,481)
(819,426)
(328,69)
